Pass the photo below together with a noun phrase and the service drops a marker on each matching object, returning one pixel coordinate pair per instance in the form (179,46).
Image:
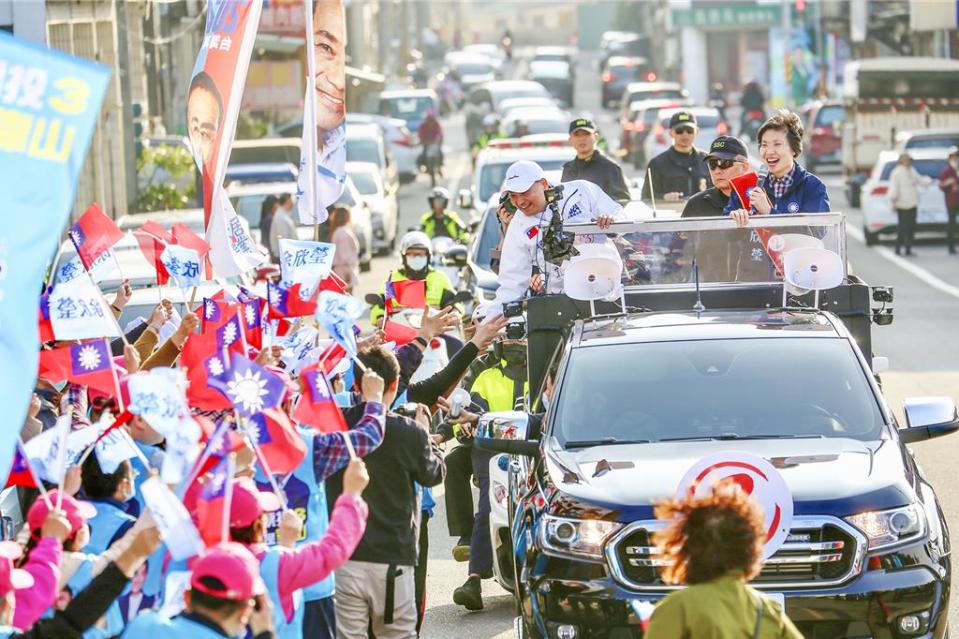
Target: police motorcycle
(768,324)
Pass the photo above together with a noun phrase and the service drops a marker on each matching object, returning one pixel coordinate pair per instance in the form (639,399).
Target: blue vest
(154,581)
(307,498)
(7,631)
(270,571)
(110,518)
(151,625)
(80,580)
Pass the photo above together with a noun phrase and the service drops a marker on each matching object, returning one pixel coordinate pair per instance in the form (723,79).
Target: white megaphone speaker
(595,274)
(785,242)
(459,399)
(811,268)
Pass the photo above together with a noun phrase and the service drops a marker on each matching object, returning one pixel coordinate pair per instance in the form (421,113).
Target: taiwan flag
(253,321)
(317,408)
(333,282)
(399,334)
(282,445)
(249,387)
(88,364)
(230,335)
(331,356)
(20,473)
(211,500)
(216,313)
(203,362)
(408,293)
(183,236)
(288,302)
(744,185)
(43,318)
(93,235)
(152,239)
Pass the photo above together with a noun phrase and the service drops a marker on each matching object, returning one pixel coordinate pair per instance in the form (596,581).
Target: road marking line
(905,264)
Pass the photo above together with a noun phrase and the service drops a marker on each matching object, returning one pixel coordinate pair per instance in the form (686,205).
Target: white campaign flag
(305,262)
(159,397)
(176,528)
(103,268)
(115,447)
(182,449)
(183,265)
(44,452)
(299,349)
(232,250)
(79,311)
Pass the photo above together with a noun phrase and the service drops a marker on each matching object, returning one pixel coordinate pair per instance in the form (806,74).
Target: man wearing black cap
(679,171)
(727,159)
(593,165)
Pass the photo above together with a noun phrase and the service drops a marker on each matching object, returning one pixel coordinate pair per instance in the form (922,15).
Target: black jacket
(87,607)
(601,171)
(673,172)
(406,455)
(708,203)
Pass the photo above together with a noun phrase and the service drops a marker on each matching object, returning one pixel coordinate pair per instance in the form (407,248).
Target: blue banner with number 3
(49,103)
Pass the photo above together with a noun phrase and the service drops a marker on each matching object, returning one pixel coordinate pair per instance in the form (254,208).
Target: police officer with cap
(679,171)
(593,165)
(727,158)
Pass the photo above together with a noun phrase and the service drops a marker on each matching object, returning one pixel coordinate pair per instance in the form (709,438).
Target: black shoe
(909,253)
(469,595)
(461,551)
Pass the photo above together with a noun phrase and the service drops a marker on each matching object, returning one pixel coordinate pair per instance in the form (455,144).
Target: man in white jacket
(582,202)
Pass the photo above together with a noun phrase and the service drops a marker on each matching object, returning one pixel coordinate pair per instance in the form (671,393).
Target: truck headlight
(579,538)
(887,527)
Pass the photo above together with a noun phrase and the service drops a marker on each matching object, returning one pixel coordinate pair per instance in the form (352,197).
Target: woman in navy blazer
(788,188)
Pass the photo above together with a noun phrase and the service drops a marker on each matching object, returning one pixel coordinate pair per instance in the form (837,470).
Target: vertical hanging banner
(213,104)
(48,111)
(324,111)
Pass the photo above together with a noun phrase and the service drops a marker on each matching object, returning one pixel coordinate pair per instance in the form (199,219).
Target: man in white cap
(582,202)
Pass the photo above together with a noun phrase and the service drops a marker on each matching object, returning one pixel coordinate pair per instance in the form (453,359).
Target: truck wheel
(871,238)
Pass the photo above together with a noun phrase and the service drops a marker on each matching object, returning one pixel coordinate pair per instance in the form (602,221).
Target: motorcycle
(752,122)
(431,162)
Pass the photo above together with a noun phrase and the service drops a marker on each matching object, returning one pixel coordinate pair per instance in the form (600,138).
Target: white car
(384,212)
(537,121)
(469,69)
(401,140)
(878,216)
(366,143)
(510,104)
(549,151)
(708,122)
(491,51)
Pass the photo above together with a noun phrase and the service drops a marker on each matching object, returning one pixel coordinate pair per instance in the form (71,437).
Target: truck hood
(826,476)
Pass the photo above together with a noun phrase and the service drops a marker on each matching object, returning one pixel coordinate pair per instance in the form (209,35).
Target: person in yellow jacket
(415,249)
(440,221)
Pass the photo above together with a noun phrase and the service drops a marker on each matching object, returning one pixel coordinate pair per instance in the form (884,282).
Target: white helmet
(415,239)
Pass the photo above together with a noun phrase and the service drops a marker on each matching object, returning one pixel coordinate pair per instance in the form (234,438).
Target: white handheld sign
(757,477)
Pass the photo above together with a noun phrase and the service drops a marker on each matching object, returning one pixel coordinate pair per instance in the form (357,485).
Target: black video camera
(557,243)
(507,203)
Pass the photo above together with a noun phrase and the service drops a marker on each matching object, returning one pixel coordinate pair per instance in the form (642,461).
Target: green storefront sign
(725,16)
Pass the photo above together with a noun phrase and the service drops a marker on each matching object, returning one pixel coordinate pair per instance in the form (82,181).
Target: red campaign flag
(744,185)
(93,235)
(282,445)
(408,293)
(88,364)
(399,334)
(253,321)
(317,408)
(331,356)
(287,302)
(215,312)
(152,239)
(20,473)
(203,360)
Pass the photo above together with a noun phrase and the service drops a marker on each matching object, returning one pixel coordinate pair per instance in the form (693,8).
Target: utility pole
(128,143)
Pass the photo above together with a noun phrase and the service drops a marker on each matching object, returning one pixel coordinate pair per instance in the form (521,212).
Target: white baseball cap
(521,175)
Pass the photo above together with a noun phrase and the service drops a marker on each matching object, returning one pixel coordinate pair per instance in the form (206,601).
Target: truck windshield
(722,389)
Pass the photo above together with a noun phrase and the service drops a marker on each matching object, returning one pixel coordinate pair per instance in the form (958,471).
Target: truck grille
(817,552)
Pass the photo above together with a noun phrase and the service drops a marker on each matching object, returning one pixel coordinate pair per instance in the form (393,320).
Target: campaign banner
(183,265)
(49,109)
(79,311)
(323,149)
(213,104)
(305,262)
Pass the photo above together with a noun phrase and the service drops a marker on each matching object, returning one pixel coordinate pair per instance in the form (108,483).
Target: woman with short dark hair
(713,545)
(788,188)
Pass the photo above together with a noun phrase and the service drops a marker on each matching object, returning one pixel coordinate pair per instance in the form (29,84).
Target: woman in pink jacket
(286,569)
(346,259)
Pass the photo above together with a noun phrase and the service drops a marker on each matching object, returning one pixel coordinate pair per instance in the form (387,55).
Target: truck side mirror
(505,432)
(928,417)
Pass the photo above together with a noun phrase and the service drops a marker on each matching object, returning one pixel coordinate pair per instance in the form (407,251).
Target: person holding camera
(528,261)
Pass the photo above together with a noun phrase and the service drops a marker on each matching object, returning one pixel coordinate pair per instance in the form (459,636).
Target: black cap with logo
(682,118)
(582,123)
(727,147)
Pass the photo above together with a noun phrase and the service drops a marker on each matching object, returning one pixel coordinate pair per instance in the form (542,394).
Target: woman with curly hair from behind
(713,545)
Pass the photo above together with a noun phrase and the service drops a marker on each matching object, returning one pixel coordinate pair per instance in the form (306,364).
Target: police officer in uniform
(440,221)
(679,171)
(593,165)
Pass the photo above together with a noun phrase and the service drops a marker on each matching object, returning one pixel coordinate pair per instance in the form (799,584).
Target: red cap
(12,578)
(234,566)
(249,503)
(78,512)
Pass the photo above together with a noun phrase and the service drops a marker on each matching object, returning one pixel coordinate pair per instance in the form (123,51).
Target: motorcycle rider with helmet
(415,251)
(491,131)
(440,221)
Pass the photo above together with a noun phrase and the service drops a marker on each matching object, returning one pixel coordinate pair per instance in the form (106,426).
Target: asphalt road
(922,345)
